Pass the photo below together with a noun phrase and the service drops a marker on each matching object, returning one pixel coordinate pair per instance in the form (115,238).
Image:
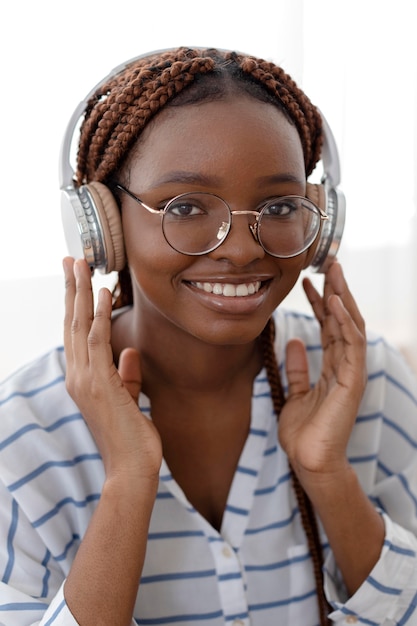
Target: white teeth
(230,290)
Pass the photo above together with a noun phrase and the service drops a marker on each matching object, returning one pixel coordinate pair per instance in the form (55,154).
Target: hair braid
(307,514)
(299,108)
(120,110)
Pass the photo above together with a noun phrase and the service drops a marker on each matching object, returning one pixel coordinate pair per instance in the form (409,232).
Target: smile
(228,289)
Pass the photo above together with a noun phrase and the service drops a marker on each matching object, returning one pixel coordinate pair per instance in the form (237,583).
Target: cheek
(143,238)
(287,275)
(151,259)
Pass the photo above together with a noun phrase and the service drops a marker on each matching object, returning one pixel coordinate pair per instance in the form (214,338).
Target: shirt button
(351,619)
(226,551)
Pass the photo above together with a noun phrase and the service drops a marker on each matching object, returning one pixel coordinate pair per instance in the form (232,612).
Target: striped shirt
(256,571)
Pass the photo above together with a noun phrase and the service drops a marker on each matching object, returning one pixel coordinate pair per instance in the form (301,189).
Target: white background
(356,59)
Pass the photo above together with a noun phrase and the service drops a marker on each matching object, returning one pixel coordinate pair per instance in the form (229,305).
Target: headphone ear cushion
(111,224)
(316,194)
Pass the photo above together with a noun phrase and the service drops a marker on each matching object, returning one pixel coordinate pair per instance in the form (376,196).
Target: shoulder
(34,379)
(387,368)
(35,397)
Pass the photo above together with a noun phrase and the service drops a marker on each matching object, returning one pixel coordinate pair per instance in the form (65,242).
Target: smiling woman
(240,462)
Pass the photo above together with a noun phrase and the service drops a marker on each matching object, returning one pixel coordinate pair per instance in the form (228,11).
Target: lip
(234,304)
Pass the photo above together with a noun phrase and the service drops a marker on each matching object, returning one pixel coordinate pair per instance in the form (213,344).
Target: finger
(315,300)
(99,337)
(354,341)
(348,359)
(338,285)
(68,266)
(83,313)
(130,372)
(297,368)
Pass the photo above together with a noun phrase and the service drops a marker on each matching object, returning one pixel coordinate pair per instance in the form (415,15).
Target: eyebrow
(180,176)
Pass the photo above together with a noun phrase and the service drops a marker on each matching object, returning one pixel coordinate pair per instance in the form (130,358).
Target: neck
(176,360)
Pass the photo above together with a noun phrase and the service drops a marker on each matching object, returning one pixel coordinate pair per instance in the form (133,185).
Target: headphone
(91,216)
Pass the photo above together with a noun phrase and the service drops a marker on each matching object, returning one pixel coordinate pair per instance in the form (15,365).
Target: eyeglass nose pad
(254,230)
(223,230)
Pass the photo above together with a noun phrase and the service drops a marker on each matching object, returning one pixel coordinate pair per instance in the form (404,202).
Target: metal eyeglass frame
(253,227)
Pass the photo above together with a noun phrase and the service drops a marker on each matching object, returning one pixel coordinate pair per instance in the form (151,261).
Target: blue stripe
(24,606)
(173,619)
(383,588)
(158,578)
(61,557)
(47,575)
(271,605)
(402,388)
(384,469)
(32,392)
(394,382)
(400,431)
(278,564)
(280,524)
(406,486)
(409,611)
(258,432)
(236,616)
(48,429)
(10,537)
(231,576)
(267,490)
(236,510)
(368,458)
(77,503)
(247,470)
(262,394)
(314,347)
(56,613)
(164,495)
(362,620)
(400,550)
(42,468)
(176,534)
(368,418)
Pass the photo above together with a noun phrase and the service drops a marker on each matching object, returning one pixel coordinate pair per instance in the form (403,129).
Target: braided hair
(120,110)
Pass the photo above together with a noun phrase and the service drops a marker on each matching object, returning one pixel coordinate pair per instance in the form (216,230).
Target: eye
(281,207)
(184,208)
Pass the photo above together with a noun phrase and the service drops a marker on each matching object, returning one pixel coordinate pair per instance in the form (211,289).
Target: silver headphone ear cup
(331,232)
(108,213)
(92,226)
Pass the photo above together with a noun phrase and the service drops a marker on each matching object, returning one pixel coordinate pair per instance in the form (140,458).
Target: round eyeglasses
(196,223)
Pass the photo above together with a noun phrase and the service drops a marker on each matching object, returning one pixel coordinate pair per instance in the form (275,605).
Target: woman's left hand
(316,422)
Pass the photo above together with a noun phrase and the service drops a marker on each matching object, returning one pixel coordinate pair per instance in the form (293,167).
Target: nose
(241,245)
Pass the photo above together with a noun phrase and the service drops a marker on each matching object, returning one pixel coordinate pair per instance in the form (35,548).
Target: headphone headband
(88,234)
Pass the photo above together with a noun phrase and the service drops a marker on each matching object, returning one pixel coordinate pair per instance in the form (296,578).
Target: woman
(159,488)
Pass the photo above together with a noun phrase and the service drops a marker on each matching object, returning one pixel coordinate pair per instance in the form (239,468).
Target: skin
(186,348)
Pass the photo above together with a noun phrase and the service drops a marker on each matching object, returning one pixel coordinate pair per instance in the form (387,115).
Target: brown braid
(307,514)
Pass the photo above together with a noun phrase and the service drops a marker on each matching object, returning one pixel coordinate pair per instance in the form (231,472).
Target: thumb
(130,372)
(297,368)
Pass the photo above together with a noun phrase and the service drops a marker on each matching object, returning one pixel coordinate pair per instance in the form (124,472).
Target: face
(245,152)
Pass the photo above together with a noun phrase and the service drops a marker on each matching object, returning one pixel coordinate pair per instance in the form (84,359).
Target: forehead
(220,138)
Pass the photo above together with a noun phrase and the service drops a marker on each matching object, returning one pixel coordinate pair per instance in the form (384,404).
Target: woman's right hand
(106,396)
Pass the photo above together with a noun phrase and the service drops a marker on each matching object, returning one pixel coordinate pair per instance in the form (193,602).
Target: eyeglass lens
(196,223)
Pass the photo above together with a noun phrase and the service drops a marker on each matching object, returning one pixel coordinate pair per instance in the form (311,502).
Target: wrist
(333,480)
